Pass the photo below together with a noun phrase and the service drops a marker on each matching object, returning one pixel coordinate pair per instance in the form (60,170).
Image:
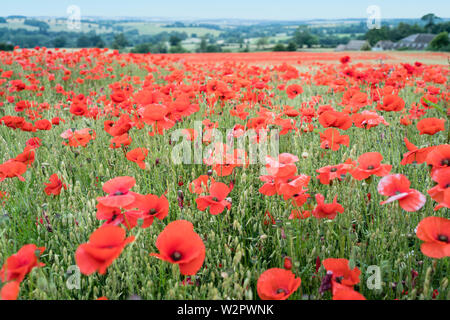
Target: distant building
(418,41)
(352,45)
(383,45)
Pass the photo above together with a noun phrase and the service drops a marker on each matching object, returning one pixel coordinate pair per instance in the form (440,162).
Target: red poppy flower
(396,187)
(104,246)
(277,284)
(34,142)
(329,173)
(288,187)
(120,141)
(118,190)
(21,263)
(200,185)
(112,215)
(27,157)
(342,275)
(138,156)
(430,126)
(347,294)
(368,164)
(269,188)
(10,291)
(225,169)
(43,124)
(283,166)
(178,243)
(55,185)
(12,169)
(297,214)
(368,119)
(439,157)
(327,210)
(156,114)
(344,59)
(414,155)
(216,200)
(336,119)
(147,208)
(391,103)
(332,139)
(441,192)
(293,90)
(435,231)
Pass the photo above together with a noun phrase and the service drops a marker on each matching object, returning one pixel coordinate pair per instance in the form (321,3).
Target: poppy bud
(318,264)
(156,161)
(180,203)
(288,263)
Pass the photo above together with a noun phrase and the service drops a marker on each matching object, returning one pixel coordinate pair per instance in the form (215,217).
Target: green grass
(238,240)
(147,28)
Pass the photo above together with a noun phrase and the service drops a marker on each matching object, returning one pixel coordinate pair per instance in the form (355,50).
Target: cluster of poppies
(177,243)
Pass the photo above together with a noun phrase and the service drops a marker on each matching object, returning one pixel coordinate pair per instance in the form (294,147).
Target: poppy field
(123,176)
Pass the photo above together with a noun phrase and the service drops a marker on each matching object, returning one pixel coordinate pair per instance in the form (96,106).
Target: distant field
(312,56)
(58,26)
(154,28)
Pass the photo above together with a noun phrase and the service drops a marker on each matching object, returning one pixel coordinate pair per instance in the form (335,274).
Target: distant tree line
(403,30)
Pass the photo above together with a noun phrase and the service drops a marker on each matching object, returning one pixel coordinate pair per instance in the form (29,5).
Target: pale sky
(238,9)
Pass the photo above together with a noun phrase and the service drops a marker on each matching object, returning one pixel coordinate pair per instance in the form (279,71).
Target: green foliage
(304,37)
(174,40)
(60,42)
(120,41)
(6,47)
(430,20)
(291,46)
(440,43)
(279,47)
(178,49)
(150,48)
(37,23)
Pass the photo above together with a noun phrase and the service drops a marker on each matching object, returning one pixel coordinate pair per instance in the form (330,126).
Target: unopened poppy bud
(305,155)
(180,194)
(287,263)
(156,161)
